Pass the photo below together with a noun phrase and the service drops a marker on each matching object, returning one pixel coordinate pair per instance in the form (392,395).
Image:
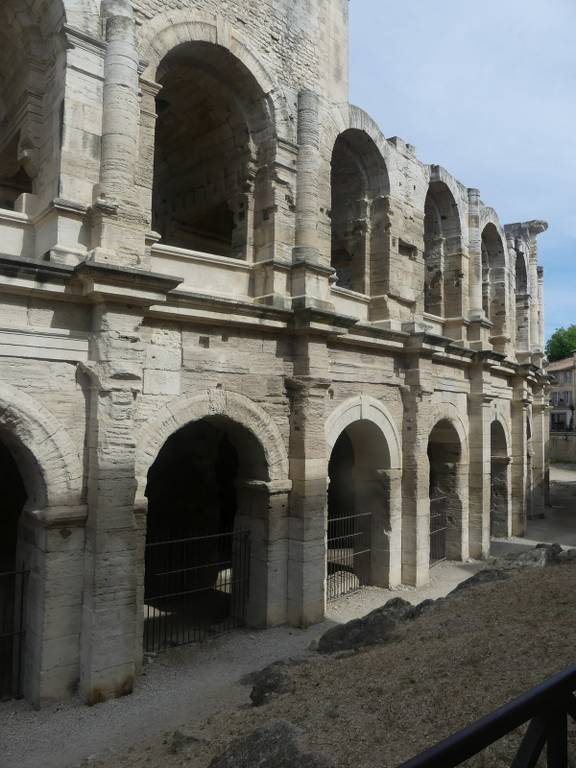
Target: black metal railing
(546,710)
(349,554)
(12,605)
(438,529)
(195,588)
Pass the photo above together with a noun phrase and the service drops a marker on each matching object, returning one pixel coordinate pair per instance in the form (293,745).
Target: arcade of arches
(256,345)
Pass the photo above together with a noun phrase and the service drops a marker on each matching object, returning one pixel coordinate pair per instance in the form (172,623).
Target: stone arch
(443,230)
(348,117)
(365,408)
(256,503)
(449,412)
(359,185)
(495,277)
(215,402)
(364,497)
(440,174)
(498,417)
(49,460)
(447,453)
(168,30)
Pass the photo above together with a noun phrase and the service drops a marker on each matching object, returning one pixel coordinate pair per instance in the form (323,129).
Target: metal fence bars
(12,597)
(438,529)
(349,554)
(546,709)
(195,588)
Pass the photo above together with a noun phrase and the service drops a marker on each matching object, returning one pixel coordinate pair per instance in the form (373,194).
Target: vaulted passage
(11,583)
(15,111)
(443,277)
(197,545)
(499,463)
(444,455)
(358,510)
(494,285)
(359,182)
(522,306)
(214,141)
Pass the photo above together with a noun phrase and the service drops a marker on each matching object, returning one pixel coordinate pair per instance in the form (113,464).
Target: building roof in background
(562,365)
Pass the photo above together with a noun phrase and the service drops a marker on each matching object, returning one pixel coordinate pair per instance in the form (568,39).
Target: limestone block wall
(563,448)
(324,282)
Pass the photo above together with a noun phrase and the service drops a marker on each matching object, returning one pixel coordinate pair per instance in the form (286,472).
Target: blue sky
(488,90)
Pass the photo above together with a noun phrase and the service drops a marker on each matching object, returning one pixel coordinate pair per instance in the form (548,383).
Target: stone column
(263,511)
(310,272)
(541,305)
(536,228)
(379,492)
(475,254)
(540,417)
(51,547)
(308,169)
(308,503)
(110,625)
(118,226)
(520,406)
(120,109)
(480,453)
(416,472)
(479,328)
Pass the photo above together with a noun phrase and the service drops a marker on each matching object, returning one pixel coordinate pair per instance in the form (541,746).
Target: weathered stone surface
(272,680)
(542,556)
(242,251)
(277,745)
(482,577)
(377,627)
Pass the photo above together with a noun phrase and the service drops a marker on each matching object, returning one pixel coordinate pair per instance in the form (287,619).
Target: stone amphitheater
(253,353)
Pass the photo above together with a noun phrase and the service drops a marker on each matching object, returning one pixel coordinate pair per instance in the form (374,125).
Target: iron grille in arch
(12,608)
(438,529)
(195,588)
(349,554)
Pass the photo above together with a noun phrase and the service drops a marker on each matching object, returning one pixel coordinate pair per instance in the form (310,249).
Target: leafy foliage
(561,344)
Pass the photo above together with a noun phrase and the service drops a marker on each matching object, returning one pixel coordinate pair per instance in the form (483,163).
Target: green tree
(561,344)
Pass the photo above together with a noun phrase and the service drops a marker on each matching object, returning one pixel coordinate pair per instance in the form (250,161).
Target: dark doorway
(197,556)
(358,529)
(499,461)
(444,455)
(12,580)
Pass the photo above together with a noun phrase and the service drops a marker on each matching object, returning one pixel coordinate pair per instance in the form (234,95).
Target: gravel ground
(188,683)
(375,709)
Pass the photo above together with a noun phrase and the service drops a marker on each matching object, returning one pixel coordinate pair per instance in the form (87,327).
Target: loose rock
(277,745)
(273,680)
(377,627)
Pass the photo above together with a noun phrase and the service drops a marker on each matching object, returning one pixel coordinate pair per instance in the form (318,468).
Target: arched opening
(443,272)
(200,502)
(15,111)
(499,481)
(358,551)
(14,497)
(522,304)
(494,284)
(359,182)
(444,456)
(213,146)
